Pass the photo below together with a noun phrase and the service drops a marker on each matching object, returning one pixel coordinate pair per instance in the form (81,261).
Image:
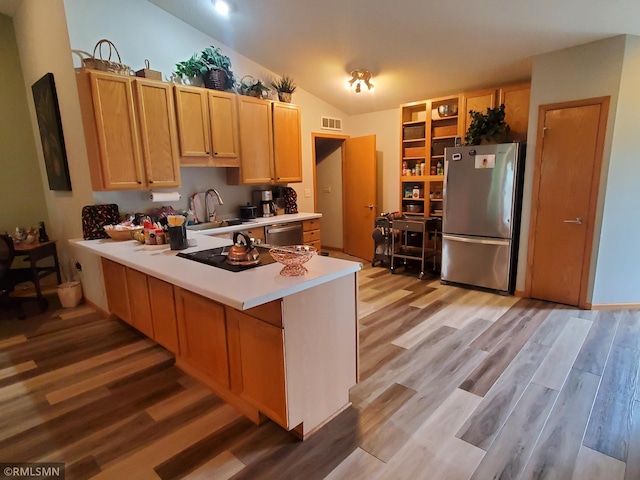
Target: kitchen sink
(206,225)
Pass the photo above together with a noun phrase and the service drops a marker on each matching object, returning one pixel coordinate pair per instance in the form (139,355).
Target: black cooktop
(217,257)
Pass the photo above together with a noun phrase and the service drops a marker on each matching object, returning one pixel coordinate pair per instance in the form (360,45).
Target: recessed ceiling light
(222,7)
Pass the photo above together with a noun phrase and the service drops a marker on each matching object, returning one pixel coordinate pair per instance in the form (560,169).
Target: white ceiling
(415,49)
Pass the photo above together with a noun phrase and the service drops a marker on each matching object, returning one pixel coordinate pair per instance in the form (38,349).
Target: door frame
(593,200)
(329,136)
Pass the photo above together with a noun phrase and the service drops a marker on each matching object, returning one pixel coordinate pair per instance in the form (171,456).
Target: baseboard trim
(104,313)
(613,306)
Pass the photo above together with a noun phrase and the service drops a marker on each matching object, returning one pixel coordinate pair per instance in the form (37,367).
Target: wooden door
(192,113)
(287,148)
(139,302)
(223,113)
(115,284)
(516,107)
(256,140)
(158,138)
(477,101)
(117,132)
(163,314)
(202,334)
(565,191)
(261,368)
(359,177)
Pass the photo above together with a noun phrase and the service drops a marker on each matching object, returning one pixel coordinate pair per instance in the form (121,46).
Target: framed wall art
(53,149)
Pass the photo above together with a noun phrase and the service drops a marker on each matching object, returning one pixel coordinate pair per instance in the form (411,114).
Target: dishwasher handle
(283,228)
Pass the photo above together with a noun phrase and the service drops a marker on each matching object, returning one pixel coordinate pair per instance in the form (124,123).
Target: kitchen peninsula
(282,347)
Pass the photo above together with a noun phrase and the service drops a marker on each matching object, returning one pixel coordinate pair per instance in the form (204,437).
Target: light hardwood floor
(455,384)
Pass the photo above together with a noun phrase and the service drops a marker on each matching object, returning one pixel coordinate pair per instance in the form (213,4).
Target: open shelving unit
(424,135)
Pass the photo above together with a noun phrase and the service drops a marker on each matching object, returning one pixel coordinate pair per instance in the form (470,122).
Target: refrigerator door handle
(483,241)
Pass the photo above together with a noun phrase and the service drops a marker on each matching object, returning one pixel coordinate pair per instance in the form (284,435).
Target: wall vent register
(328,123)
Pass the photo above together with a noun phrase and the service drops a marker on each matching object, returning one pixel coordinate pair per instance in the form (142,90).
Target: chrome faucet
(206,202)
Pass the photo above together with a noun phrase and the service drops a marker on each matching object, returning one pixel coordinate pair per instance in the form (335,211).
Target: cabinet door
(477,101)
(192,113)
(115,284)
(261,363)
(256,141)
(117,132)
(202,334)
(287,150)
(224,129)
(158,137)
(516,106)
(163,314)
(139,302)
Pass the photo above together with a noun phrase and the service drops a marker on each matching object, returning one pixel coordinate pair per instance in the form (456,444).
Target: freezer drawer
(481,262)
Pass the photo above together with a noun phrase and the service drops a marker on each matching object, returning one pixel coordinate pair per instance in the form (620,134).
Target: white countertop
(262,221)
(240,290)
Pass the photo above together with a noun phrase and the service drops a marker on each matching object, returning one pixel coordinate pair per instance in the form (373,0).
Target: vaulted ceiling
(415,49)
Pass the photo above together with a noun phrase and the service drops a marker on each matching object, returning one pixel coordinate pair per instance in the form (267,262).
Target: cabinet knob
(139,182)
(150,181)
(215,153)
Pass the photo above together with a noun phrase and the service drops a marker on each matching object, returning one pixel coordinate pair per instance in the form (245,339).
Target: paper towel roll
(165,197)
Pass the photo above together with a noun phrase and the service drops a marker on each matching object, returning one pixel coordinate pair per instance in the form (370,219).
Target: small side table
(36,252)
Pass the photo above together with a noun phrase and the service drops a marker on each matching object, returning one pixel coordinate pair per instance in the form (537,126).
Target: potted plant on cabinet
(285,88)
(487,127)
(211,65)
(219,76)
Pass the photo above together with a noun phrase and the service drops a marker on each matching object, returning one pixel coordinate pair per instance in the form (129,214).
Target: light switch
(307,192)
(327,189)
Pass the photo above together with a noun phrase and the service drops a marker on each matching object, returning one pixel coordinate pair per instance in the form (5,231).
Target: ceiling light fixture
(360,76)
(221,7)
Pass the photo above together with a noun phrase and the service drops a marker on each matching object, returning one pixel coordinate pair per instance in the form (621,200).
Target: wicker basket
(106,65)
(146,72)
(215,79)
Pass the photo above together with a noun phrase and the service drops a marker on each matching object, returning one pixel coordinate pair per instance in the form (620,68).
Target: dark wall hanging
(48,113)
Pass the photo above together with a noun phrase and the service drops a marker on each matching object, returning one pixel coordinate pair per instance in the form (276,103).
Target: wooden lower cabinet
(139,300)
(203,335)
(256,353)
(144,302)
(115,284)
(311,233)
(163,314)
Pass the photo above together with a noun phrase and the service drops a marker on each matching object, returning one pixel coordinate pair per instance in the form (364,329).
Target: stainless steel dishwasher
(284,234)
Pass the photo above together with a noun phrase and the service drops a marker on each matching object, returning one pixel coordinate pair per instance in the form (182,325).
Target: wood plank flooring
(455,384)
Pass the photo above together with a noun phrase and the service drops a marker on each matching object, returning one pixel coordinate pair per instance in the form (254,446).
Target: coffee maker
(264,200)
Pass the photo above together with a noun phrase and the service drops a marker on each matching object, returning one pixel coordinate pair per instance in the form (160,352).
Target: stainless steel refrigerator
(481,223)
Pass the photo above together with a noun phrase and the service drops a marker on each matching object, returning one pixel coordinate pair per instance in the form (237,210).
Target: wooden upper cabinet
(287,150)
(516,102)
(192,112)
(117,161)
(158,136)
(256,140)
(223,112)
(202,334)
(477,101)
(207,127)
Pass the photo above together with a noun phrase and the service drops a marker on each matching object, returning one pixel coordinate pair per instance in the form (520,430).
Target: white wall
(21,188)
(329,176)
(586,71)
(617,278)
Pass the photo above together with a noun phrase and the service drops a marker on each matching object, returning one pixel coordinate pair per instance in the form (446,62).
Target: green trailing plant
(200,63)
(284,84)
(489,126)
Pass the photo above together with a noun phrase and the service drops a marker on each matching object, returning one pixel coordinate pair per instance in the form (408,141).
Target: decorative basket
(146,72)
(215,79)
(284,97)
(106,65)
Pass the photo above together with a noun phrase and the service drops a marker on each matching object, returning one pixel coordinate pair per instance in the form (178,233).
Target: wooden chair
(10,277)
